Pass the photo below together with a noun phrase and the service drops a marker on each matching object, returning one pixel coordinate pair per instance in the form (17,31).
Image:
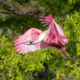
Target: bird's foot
(64,57)
(69,56)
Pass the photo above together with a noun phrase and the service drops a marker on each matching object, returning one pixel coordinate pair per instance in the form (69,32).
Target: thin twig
(19,14)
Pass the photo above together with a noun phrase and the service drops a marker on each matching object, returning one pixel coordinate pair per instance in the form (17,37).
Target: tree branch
(19,14)
(22,14)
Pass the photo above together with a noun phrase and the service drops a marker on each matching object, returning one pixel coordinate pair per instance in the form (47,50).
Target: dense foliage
(17,16)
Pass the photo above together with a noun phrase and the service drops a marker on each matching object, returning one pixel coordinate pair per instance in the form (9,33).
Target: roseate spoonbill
(35,39)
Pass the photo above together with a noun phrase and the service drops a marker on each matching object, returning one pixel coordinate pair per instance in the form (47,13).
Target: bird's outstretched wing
(56,35)
(31,34)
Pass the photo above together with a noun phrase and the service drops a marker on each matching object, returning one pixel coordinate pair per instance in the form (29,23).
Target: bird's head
(29,42)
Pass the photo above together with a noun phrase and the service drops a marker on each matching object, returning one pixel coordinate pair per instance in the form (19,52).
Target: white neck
(41,37)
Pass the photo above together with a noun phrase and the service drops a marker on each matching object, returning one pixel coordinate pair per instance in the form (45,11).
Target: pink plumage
(31,34)
(55,35)
(55,38)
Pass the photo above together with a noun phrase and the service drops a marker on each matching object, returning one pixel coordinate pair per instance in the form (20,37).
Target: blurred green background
(16,17)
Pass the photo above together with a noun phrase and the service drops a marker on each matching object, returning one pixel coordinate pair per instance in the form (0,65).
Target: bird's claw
(69,56)
(64,57)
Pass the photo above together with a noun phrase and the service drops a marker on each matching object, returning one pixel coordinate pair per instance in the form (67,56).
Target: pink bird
(35,39)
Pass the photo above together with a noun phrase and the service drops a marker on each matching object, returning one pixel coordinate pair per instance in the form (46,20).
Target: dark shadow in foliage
(77,5)
(22,1)
(43,75)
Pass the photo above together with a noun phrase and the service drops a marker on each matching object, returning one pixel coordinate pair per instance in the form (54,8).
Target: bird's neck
(41,37)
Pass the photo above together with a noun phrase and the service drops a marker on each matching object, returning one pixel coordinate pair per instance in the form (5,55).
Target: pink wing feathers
(31,34)
(56,35)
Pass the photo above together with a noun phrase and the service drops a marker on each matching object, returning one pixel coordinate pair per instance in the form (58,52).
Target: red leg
(67,54)
(63,55)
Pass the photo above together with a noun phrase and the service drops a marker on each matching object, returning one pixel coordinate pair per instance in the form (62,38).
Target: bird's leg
(63,55)
(67,54)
